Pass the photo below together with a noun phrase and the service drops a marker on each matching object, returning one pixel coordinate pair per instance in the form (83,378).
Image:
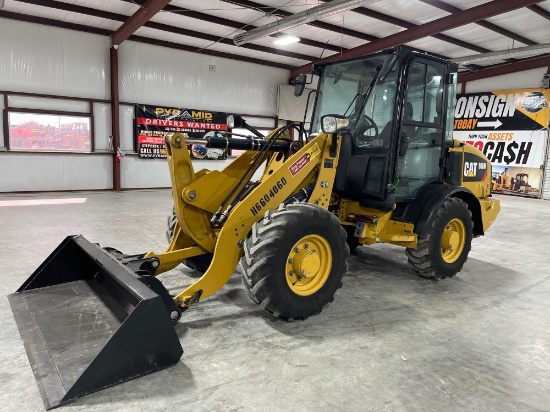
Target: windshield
(343,89)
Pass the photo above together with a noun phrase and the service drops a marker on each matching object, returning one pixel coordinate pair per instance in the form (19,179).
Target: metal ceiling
(208,26)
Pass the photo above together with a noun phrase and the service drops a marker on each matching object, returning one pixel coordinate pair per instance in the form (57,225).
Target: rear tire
(443,252)
(303,239)
(199,263)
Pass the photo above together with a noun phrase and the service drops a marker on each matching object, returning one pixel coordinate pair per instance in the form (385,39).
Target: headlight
(332,123)
(230,121)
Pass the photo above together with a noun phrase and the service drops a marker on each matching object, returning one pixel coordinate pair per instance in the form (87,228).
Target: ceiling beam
(352,33)
(461,18)
(138,19)
(408,25)
(483,23)
(540,11)
(234,24)
(88,11)
(506,68)
(103,32)
(319,24)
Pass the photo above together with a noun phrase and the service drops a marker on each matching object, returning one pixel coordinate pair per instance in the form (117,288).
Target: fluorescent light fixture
(303,17)
(286,39)
(517,53)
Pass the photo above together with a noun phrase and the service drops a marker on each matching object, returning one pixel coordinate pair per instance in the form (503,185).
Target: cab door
(422,128)
(369,163)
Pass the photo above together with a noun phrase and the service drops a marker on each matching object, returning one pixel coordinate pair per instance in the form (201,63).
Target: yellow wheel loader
(378,164)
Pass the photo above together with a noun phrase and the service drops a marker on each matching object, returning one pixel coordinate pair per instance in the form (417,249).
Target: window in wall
(49,132)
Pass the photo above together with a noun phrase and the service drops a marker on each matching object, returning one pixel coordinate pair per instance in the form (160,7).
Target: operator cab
(398,123)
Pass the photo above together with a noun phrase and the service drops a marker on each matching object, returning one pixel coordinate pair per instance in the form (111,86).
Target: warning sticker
(304,159)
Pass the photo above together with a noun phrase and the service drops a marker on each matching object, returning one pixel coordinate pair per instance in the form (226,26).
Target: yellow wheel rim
(308,265)
(452,240)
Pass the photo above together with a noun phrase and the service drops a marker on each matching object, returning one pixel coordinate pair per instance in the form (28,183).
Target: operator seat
(410,130)
(408,114)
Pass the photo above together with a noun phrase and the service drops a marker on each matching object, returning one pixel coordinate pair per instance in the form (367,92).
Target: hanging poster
(511,128)
(154,121)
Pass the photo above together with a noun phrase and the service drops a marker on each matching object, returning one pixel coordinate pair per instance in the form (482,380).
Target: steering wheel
(363,125)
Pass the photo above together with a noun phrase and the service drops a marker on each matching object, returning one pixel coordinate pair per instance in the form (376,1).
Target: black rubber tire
(351,240)
(199,263)
(267,250)
(426,259)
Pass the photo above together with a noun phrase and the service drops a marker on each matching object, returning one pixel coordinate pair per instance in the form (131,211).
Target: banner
(511,128)
(154,121)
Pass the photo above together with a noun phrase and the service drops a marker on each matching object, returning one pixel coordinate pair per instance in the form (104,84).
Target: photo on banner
(511,128)
(153,122)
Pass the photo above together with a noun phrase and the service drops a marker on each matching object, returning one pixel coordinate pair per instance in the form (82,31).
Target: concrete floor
(389,341)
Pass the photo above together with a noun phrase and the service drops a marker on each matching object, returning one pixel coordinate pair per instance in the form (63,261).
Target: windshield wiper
(380,74)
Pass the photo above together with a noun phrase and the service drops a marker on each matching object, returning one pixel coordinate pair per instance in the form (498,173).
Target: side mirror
(299,85)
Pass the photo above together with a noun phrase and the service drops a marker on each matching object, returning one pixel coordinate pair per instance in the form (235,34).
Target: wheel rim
(452,240)
(308,265)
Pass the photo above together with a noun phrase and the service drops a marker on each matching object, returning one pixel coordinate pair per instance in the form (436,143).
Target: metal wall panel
(520,80)
(44,172)
(157,75)
(41,59)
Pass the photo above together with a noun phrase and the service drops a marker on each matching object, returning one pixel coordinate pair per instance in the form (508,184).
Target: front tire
(443,252)
(294,260)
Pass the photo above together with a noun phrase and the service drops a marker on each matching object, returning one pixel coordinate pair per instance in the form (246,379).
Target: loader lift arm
(197,197)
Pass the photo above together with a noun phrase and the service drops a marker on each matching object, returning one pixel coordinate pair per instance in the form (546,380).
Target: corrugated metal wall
(48,60)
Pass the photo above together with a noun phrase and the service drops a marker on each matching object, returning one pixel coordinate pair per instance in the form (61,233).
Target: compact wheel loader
(378,164)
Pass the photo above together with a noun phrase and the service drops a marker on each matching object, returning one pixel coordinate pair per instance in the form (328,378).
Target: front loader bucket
(87,323)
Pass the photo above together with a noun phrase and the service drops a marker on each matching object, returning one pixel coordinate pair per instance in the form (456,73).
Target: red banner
(153,122)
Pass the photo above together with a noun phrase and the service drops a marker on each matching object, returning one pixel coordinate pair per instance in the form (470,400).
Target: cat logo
(470,169)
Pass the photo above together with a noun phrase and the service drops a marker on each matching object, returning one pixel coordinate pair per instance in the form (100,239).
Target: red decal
(299,164)
(151,139)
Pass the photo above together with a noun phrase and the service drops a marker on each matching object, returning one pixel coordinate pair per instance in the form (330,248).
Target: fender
(423,209)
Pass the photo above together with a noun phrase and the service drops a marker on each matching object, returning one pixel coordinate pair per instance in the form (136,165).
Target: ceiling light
(283,40)
(303,17)
(517,53)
